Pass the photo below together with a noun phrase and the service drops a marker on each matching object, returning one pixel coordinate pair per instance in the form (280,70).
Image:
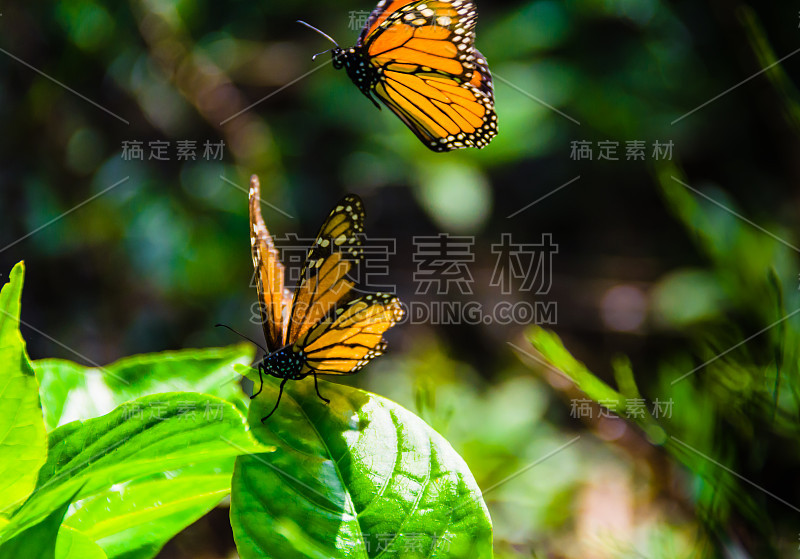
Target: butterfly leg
(374,102)
(261,378)
(280,393)
(316,386)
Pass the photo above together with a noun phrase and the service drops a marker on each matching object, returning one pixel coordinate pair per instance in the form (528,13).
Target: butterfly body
(361,72)
(284,364)
(418,58)
(325,326)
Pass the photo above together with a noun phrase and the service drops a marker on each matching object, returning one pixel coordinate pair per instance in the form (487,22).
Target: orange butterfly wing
(432,77)
(323,281)
(269,273)
(482,77)
(345,341)
(383,10)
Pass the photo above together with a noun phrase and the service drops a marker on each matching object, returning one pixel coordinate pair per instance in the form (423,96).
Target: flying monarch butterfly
(324,327)
(418,58)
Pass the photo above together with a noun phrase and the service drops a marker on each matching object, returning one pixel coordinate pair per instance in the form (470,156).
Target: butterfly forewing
(431,36)
(482,77)
(383,10)
(324,281)
(345,341)
(431,75)
(269,274)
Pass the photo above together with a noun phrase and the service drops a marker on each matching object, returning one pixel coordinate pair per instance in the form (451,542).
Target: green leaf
(39,539)
(136,519)
(67,384)
(73,392)
(360,477)
(154,434)
(72,544)
(193,370)
(23,441)
(552,349)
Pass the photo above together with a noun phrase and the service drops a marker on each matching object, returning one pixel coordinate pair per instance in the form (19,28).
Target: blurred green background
(653,262)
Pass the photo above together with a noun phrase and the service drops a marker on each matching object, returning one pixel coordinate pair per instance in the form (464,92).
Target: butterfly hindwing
(443,114)
(269,274)
(324,281)
(347,339)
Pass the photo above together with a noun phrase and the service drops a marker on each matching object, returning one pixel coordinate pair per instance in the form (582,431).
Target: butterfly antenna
(242,336)
(320,54)
(320,32)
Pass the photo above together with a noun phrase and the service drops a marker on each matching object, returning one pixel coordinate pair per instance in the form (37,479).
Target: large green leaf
(361,477)
(23,441)
(136,519)
(73,392)
(65,384)
(154,434)
(39,539)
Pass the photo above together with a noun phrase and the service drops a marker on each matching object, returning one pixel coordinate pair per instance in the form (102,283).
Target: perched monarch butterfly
(419,59)
(325,327)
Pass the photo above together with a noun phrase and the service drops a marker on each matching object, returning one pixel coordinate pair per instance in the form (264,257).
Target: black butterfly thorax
(362,72)
(284,363)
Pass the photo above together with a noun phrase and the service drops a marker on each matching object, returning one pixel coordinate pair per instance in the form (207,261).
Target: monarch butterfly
(418,58)
(324,327)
